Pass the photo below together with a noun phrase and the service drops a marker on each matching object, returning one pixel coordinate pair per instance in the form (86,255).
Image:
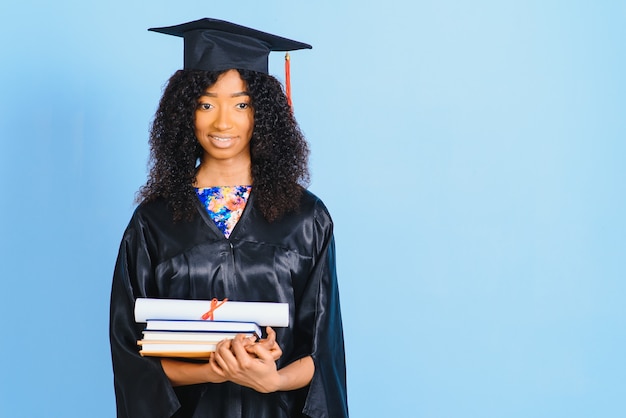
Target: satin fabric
(290,260)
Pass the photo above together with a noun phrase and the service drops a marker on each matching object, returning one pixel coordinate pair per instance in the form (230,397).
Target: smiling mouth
(221,138)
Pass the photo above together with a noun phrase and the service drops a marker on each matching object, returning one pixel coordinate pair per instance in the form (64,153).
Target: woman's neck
(222,174)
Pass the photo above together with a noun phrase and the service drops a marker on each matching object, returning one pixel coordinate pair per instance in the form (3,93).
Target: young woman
(224,214)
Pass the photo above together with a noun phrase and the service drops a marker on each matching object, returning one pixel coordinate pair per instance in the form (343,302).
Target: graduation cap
(215,45)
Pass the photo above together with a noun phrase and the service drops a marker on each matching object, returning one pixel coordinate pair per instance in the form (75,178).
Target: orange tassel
(288,79)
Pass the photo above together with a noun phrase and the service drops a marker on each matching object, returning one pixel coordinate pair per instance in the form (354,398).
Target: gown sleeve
(319,314)
(141,387)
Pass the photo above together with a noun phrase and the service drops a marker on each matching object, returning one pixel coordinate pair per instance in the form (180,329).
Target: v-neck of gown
(224,205)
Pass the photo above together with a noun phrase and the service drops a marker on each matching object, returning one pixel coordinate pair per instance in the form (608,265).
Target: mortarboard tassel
(288,79)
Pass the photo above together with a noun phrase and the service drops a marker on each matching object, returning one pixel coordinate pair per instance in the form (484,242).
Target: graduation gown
(290,260)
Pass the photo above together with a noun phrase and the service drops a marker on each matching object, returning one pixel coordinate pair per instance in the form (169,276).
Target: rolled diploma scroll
(263,313)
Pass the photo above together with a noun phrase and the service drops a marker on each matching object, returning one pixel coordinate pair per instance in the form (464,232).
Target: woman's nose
(223,119)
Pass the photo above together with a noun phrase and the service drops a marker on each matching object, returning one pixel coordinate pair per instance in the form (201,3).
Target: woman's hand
(249,364)
(269,343)
(245,362)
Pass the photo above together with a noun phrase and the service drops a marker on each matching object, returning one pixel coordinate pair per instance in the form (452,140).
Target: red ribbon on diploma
(214,305)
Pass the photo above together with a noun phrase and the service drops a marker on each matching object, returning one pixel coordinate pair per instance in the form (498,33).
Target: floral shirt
(224,204)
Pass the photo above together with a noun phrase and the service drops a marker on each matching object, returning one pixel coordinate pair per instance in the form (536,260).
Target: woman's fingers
(223,355)
(271,334)
(270,344)
(246,363)
(239,349)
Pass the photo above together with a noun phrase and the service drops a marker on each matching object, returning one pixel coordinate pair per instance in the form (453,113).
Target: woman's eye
(243,105)
(205,106)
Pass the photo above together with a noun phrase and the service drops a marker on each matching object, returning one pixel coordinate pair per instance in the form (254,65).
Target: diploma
(263,313)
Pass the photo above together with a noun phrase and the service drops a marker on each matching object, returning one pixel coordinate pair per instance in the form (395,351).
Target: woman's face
(224,120)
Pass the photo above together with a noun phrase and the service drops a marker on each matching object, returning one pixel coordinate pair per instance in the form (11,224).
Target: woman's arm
(255,367)
(294,376)
(291,377)
(297,374)
(183,373)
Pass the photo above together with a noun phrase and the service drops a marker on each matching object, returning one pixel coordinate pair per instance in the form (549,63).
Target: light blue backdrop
(471,153)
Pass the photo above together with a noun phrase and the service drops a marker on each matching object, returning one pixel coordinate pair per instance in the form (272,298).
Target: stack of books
(193,328)
(190,338)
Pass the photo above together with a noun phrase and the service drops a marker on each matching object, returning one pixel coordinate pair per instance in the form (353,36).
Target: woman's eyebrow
(239,94)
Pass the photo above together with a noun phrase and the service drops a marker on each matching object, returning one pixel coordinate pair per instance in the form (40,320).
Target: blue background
(471,153)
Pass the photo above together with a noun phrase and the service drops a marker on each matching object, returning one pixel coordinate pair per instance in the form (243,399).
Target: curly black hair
(278,150)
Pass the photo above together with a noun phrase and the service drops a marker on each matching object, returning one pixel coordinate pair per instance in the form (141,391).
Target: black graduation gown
(290,260)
